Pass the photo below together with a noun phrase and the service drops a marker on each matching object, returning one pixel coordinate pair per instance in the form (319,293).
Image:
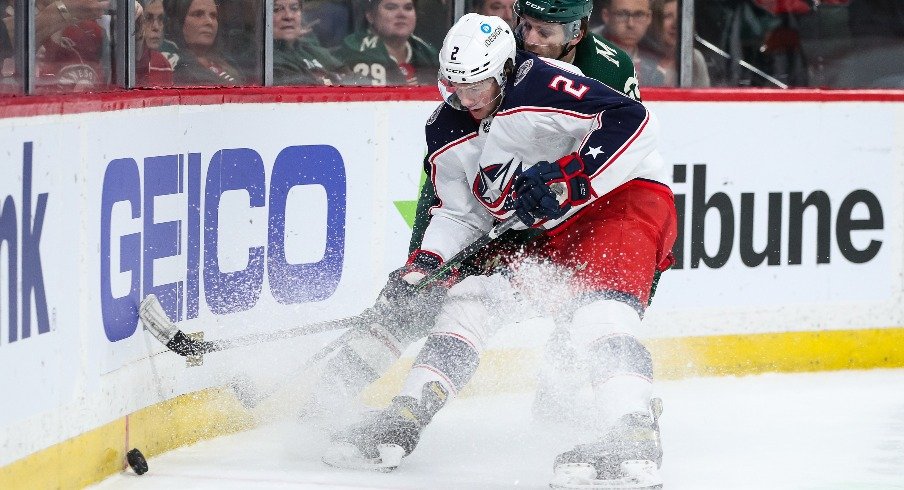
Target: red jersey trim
(623,148)
(545,109)
(433,158)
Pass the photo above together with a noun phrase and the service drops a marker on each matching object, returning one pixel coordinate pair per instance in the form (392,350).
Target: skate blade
(637,475)
(347,456)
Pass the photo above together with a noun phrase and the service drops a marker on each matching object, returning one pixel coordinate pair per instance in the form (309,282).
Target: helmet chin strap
(565,50)
(497,101)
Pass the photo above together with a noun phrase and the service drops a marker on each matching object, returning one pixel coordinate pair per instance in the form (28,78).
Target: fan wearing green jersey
(389,53)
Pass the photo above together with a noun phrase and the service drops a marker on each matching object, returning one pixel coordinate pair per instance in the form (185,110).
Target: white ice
(839,430)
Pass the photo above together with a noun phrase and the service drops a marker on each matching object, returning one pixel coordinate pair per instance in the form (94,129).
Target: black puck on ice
(137,462)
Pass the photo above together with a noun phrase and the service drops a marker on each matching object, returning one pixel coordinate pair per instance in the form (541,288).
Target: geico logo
(29,274)
(817,205)
(138,231)
(492,37)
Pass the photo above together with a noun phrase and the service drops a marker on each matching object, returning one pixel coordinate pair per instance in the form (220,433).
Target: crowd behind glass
(737,43)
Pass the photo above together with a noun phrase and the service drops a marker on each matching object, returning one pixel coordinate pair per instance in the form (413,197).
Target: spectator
(62,63)
(240,36)
(193,26)
(73,49)
(9,83)
(388,53)
(297,59)
(625,22)
(662,38)
(329,21)
(504,9)
(152,69)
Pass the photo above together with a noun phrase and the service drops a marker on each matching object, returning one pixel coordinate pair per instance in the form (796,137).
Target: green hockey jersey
(606,62)
(367,56)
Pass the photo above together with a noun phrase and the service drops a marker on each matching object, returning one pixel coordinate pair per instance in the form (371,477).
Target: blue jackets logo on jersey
(522,70)
(493,185)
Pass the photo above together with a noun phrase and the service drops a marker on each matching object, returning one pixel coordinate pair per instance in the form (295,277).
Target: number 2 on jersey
(566,85)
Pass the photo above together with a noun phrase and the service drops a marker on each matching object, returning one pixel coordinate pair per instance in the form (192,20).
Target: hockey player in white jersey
(571,157)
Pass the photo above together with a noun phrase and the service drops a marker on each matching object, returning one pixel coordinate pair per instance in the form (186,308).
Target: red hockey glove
(535,197)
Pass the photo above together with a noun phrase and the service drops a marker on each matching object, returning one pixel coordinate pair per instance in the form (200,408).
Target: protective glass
(635,15)
(479,94)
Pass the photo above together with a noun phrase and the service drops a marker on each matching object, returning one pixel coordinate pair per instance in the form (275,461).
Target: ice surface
(840,430)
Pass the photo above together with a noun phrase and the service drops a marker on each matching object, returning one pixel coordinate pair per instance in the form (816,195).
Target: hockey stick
(158,323)
(163,329)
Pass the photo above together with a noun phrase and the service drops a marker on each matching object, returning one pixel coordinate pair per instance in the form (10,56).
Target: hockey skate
(628,456)
(383,438)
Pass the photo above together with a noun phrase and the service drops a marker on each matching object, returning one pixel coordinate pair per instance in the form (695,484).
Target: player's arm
(425,202)
(615,135)
(457,219)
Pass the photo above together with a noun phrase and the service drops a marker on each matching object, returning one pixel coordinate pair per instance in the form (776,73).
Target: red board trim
(40,105)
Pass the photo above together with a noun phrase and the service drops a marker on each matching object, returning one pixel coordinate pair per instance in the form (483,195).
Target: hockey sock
(445,358)
(622,376)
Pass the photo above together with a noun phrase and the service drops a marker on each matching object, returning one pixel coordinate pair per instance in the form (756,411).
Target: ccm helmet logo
(457,72)
(535,6)
(492,36)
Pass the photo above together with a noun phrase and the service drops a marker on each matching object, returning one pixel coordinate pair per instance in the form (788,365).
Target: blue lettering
(193,249)
(224,292)
(8,233)
(162,176)
(229,292)
(306,165)
(32,272)
(120,315)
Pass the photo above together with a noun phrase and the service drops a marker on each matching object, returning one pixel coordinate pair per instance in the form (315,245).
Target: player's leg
(615,251)
(562,374)
(623,415)
(443,367)
(357,364)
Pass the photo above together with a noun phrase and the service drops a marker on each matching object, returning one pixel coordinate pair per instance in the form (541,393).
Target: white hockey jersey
(547,112)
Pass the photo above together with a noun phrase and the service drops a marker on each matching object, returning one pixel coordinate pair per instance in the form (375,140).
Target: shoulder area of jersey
(530,66)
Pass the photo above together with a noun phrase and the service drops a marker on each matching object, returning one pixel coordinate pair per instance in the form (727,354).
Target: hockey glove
(548,190)
(405,311)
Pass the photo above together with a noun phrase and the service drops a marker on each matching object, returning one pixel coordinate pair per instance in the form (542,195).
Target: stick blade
(155,320)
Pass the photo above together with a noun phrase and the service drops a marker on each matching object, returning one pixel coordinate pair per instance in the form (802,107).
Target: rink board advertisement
(259,217)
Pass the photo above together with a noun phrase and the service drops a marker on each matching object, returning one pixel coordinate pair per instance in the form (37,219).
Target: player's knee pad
(451,356)
(366,356)
(619,354)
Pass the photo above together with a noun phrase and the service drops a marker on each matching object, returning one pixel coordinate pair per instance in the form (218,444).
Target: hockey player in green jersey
(558,29)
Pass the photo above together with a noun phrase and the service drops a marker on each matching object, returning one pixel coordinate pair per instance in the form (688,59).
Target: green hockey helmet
(558,11)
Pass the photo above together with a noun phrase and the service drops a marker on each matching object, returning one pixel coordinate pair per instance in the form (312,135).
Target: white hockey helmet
(476,48)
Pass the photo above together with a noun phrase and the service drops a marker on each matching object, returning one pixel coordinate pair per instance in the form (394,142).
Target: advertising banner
(258,217)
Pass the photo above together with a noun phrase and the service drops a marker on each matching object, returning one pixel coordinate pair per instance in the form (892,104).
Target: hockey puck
(137,462)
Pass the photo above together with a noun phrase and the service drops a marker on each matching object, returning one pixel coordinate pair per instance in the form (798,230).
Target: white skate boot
(381,440)
(627,457)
